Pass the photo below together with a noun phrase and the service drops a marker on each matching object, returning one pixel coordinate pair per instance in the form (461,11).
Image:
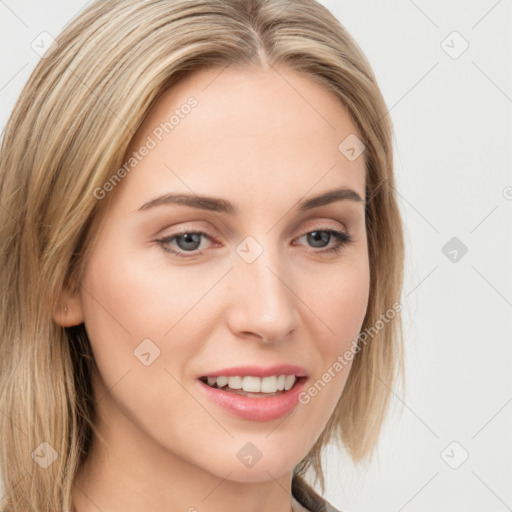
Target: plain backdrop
(444,68)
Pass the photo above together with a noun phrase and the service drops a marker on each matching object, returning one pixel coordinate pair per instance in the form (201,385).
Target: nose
(262,302)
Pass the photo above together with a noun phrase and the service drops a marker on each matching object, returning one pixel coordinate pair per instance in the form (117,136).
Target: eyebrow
(215,204)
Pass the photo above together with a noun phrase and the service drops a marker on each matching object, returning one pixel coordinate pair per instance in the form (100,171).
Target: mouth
(254,398)
(253,386)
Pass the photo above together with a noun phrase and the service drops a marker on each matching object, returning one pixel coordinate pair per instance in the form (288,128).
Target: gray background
(453,124)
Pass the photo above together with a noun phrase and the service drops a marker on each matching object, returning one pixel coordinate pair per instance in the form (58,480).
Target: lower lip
(256,409)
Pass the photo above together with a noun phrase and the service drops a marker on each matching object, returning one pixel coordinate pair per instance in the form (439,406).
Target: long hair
(69,131)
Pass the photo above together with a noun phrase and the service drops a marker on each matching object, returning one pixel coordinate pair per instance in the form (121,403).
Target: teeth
(222,381)
(268,384)
(289,382)
(235,382)
(252,384)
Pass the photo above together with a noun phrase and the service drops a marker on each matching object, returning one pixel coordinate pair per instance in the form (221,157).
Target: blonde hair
(68,132)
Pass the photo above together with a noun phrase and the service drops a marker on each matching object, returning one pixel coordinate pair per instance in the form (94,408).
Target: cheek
(339,300)
(339,297)
(136,312)
(346,300)
(135,304)
(136,294)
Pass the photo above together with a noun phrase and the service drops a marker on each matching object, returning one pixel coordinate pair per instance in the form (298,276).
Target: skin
(263,140)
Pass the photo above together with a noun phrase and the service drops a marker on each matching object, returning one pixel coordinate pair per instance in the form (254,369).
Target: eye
(186,244)
(320,238)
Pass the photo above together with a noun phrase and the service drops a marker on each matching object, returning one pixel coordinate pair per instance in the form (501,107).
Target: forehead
(262,102)
(263,130)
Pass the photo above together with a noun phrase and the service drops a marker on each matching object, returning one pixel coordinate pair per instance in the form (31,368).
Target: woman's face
(252,275)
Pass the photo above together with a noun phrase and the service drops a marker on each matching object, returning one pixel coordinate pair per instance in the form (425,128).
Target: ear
(68,311)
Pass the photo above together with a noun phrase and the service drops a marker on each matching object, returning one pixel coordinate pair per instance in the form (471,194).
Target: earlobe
(69,311)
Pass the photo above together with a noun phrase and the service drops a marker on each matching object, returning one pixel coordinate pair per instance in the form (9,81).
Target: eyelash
(342,238)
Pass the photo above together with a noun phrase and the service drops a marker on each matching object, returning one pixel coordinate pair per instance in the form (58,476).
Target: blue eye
(187,243)
(320,238)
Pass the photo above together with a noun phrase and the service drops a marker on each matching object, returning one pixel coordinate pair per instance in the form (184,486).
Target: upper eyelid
(319,227)
(316,225)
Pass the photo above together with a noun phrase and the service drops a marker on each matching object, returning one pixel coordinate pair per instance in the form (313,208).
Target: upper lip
(259,371)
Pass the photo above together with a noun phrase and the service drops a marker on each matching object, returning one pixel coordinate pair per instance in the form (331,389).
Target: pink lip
(259,371)
(253,408)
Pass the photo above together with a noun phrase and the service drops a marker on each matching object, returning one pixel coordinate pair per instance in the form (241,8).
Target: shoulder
(316,506)
(330,508)
(306,499)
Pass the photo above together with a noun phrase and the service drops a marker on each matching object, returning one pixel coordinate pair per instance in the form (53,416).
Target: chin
(260,472)
(249,458)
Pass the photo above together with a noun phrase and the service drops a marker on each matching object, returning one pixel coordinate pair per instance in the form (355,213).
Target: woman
(202,260)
